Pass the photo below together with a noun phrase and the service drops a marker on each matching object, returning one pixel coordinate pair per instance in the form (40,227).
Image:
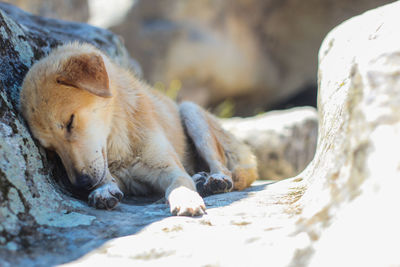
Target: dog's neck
(130,120)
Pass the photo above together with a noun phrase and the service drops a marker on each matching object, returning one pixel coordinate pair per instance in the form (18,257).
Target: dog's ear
(87,72)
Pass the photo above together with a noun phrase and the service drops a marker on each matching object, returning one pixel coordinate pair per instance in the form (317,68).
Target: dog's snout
(83,181)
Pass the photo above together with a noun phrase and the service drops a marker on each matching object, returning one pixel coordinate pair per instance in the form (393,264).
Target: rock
(352,196)
(283,141)
(257,53)
(105,13)
(247,228)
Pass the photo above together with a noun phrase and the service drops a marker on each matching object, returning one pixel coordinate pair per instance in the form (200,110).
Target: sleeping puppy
(115,135)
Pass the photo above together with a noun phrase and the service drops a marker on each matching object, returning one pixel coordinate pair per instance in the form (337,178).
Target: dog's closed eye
(70,123)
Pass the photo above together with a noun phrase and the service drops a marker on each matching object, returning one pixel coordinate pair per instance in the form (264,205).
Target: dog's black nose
(83,181)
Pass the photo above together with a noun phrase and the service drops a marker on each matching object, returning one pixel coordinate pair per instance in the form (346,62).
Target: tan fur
(113,132)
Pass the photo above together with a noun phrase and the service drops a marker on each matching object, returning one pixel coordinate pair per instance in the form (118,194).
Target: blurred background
(234,57)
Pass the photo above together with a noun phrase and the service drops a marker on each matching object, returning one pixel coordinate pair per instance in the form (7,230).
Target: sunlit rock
(284,141)
(350,205)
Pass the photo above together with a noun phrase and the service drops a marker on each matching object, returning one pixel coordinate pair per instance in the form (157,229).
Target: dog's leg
(204,136)
(106,195)
(160,167)
(181,194)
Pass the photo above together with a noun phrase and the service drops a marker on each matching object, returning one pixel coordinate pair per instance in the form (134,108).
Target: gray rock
(283,141)
(247,228)
(256,52)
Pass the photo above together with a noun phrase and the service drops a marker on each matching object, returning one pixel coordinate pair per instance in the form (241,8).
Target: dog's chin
(99,182)
(102,178)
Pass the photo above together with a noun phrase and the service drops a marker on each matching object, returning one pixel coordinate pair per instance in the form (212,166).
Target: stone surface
(350,205)
(283,141)
(256,52)
(248,228)
(154,237)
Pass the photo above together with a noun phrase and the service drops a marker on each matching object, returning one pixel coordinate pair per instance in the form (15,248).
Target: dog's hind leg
(227,159)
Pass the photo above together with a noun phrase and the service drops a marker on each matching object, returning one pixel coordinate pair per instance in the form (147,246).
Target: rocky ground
(240,229)
(237,226)
(284,141)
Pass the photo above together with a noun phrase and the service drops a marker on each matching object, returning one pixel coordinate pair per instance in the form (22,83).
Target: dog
(116,135)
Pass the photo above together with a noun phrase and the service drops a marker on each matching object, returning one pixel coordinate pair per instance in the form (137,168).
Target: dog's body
(115,133)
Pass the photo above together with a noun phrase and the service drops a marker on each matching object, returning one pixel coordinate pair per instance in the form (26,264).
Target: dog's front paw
(106,196)
(186,202)
(210,184)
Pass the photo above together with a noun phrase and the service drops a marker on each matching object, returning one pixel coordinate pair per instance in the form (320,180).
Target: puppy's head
(66,100)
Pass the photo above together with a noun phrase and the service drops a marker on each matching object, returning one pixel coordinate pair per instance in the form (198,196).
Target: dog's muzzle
(84,181)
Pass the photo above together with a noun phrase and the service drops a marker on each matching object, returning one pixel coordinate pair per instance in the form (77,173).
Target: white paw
(106,196)
(186,202)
